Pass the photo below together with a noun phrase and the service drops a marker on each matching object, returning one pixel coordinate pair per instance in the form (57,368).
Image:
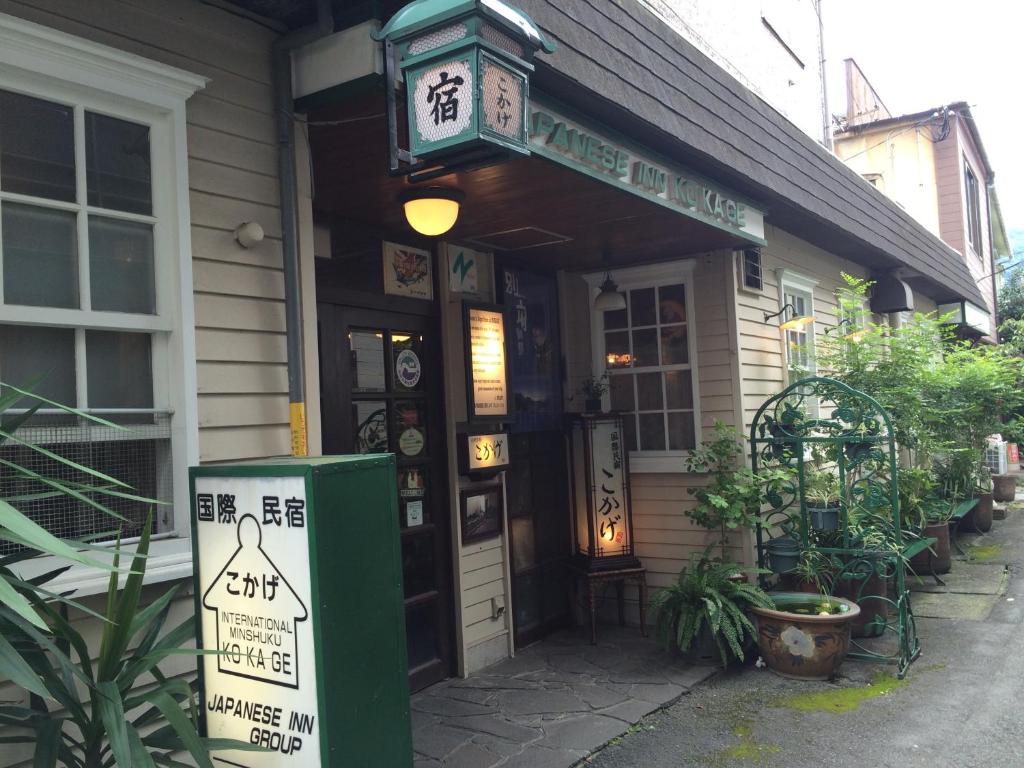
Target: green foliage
(890,364)
(706,595)
(821,485)
(1010,302)
(86,710)
(970,391)
(735,496)
(942,394)
(118,709)
(1013,430)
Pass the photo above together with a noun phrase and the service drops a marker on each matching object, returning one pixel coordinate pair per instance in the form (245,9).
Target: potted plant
(735,496)
(822,498)
(783,554)
(593,389)
(980,518)
(804,636)
(702,614)
(934,524)
(813,573)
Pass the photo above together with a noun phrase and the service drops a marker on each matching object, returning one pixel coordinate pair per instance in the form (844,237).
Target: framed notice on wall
(407,272)
(486,362)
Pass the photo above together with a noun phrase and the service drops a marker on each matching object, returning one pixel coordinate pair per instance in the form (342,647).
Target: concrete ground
(960,705)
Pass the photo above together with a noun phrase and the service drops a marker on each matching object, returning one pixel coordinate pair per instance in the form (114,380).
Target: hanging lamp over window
(609,299)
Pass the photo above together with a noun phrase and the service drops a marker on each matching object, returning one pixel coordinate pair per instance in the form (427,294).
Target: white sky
(920,54)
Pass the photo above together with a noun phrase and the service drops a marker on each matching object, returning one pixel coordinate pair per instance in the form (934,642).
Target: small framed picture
(481,512)
(407,272)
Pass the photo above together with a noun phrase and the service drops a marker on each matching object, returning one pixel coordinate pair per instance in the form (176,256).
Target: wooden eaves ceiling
(509,205)
(618,62)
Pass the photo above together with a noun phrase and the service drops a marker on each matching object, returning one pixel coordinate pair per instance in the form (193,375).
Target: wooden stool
(620,577)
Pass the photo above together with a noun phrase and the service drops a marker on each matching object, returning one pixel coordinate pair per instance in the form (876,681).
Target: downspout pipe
(288,187)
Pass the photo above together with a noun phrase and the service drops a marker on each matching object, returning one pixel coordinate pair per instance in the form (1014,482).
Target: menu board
(488,380)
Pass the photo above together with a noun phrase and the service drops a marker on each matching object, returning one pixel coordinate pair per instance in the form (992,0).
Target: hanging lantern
(603,519)
(466,66)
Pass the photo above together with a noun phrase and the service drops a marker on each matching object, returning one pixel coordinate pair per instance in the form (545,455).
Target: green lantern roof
(421,14)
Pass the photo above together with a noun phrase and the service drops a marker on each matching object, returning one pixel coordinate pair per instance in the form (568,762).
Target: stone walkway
(552,705)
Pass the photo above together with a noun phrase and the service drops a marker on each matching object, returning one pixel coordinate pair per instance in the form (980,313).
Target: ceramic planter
(805,646)
(980,518)
(592,404)
(824,517)
(941,560)
(1004,487)
(783,554)
(870,594)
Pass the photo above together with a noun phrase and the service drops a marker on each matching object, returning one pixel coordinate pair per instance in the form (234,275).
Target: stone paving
(552,705)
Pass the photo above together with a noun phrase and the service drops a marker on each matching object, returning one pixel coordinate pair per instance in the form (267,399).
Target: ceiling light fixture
(431,211)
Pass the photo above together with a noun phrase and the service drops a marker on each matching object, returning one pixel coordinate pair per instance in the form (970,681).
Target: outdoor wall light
(795,323)
(609,299)
(431,211)
(853,333)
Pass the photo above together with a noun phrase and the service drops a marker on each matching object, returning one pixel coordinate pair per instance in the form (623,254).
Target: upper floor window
(972,200)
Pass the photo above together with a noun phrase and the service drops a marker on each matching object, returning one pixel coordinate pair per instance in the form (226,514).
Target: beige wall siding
(232,164)
(762,356)
(481,569)
(664,535)
(902,163)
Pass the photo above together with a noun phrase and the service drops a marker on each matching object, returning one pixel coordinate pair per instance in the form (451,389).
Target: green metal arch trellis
(821,427)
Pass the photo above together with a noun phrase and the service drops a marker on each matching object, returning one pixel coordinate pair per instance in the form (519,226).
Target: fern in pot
(703,613)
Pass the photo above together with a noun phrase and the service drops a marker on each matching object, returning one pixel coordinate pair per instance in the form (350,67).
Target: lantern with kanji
(603,516)
(466,66)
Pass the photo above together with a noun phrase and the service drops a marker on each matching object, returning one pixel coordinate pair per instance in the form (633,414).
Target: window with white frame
(649,352)
(972,198)
(798,293)
(94,275)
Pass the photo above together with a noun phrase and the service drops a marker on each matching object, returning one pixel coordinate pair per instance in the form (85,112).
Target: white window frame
(972,209)
(648,276)
(794,283)
(48,64)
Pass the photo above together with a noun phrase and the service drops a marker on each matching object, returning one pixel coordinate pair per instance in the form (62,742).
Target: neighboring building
(136,136)
(773,47)
(933,165)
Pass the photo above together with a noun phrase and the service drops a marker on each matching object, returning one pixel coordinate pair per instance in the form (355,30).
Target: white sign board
(463,269)
(609,473)
(486,335)
(255,592)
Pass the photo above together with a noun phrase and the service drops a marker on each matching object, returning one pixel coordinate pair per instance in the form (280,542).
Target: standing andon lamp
(603,515)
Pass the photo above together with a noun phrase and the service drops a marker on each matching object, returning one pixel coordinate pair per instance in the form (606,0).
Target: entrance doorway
(537,478)
(381,392)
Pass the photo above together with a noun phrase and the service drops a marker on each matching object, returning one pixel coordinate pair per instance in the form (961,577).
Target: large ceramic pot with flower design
(806,636)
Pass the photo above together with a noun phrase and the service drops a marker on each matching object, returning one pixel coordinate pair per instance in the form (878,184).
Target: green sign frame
(356,605)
